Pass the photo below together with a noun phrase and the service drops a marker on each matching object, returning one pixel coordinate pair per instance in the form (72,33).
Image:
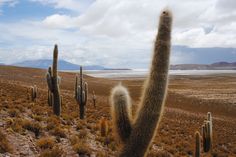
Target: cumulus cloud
(121,32)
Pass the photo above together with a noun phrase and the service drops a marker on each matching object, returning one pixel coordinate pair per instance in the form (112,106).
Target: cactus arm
(85,93)
(81,85)
(49,81)
(121,112)
(78,95)
(32,93)
(76,85)
(153,98)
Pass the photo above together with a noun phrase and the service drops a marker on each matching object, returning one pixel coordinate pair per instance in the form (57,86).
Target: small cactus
(143,129)
(53,84)
(34,93)
(197,144)
(81,93)
(94,99)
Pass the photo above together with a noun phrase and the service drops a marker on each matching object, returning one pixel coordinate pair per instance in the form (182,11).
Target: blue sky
(115,33)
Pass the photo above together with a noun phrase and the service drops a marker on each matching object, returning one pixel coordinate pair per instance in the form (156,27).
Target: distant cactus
(94,99)
(197,144)
(103,127)
(53,85)
(81,93)
(207,138)
(144,127)
(34,93)
(207,133)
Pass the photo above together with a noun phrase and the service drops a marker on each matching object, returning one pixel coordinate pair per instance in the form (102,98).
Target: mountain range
(213,66)
(62,65)
(65,65)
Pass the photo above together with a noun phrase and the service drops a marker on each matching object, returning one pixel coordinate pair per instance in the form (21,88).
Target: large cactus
(138,135)
(53,85)
(81,92)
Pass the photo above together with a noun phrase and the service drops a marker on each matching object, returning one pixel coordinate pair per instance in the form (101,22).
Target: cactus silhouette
(53,84)
(197,144)
(81,93)
(148,115)
(34,93)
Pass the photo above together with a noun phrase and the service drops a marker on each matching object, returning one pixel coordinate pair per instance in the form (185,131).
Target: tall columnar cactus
(81,93)
(34,93)
(197,144)
(53,85)
(137,135)
(207,133)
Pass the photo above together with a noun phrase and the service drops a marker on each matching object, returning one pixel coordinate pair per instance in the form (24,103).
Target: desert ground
(30,129)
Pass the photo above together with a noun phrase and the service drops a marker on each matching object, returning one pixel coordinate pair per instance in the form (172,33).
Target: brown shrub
(55,152)
(82,148)
(45,142)
(35,127)
(59,132)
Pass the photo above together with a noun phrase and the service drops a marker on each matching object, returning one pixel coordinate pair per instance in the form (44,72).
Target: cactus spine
(197,144)
(81,93)
(53,85)
(153,97)
(34,93)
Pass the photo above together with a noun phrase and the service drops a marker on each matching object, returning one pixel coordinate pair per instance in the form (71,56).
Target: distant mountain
(62,65)
(213,66)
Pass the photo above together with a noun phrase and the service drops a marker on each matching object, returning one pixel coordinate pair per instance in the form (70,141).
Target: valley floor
(30,129)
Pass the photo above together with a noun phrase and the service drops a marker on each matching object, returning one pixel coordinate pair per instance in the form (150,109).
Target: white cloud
(60,21)
(75,5)
(121,32)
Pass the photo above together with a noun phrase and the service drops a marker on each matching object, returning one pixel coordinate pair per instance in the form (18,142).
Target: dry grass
(46,143)
(82,148)
(182,115)
(55,152)
(4,144)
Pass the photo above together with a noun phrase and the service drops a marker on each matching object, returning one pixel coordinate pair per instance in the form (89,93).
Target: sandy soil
(189,99)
